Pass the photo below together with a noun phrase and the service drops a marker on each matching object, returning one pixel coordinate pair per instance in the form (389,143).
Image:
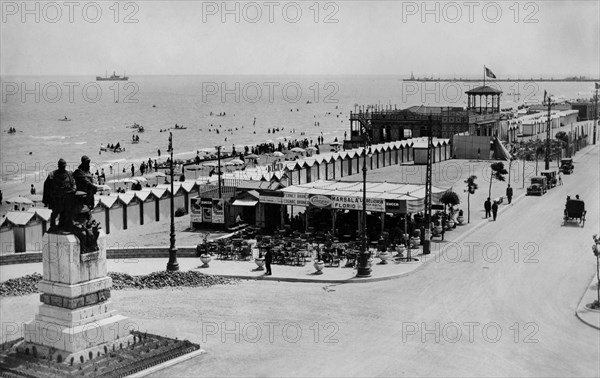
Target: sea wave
(48,137)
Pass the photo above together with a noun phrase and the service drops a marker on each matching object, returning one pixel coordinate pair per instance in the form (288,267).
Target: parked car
(566,166)
(551,177)
(538,185)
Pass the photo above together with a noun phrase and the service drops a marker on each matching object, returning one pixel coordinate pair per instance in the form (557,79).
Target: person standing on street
(559,178)
(268,260)
(495,209)
(487,205)
(509,193)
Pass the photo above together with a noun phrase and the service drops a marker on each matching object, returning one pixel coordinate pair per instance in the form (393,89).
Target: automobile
(538,185)
(566,166)
(551,177)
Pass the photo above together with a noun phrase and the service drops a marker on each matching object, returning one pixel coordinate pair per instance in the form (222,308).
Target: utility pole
(596,112)
(427,231)
(547,160)
(363,269)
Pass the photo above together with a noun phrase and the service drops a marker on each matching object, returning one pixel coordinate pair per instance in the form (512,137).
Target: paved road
(514,311)
(513,318)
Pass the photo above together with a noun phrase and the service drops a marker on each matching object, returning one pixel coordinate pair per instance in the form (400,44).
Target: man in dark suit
(495,209)
(268,260)
(509,193)
(487,205)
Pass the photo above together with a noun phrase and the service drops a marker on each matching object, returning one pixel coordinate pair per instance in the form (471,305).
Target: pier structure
(483,108)
(389,124)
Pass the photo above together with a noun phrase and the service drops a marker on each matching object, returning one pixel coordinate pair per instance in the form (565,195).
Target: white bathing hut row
(22,231)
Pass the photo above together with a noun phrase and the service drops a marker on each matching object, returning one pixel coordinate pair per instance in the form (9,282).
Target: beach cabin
(147,203)
(28,228)
(163,203)
(99,212)
(115,213)
(178,197)
(336,166)
(131,209)
(190,190)
(322,163)
(7,238)
(329,167)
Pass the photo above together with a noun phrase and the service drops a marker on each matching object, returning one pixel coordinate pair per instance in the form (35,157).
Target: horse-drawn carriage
(575,211)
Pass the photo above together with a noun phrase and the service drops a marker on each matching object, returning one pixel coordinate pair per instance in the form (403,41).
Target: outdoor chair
(350,259)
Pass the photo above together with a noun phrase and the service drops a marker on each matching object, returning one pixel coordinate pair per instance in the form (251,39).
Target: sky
(440,38)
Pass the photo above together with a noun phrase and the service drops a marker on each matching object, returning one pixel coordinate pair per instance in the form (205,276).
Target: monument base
(76,332)
(141,352)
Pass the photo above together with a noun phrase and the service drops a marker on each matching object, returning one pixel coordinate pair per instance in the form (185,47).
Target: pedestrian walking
(132,170)
(268,260)
(559,178)
(495,209)
(32,190)
(487,205)
(509,193)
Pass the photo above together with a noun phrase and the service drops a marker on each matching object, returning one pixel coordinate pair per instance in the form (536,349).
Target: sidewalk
(589,317)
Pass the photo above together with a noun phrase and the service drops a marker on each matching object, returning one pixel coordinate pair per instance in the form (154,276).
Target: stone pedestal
(76,320)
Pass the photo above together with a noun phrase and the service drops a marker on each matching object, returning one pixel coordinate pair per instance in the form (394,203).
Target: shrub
(179,212)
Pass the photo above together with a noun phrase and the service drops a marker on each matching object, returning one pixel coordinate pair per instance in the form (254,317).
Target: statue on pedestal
(70,196)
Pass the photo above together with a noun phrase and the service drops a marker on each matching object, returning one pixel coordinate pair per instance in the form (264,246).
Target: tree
(526,154)
(471,188)
(498,172)
(450,199)
(562,135)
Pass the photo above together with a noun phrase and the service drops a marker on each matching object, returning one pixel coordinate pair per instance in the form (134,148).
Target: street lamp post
(219,167)
(172,265)
(363,260)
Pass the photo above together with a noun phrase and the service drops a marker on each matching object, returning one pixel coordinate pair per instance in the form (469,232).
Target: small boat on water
(178,127)
(105,148)
(65,119)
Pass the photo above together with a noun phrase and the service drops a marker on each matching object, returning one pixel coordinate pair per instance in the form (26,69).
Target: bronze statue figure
(59,196)
(70,196)
(85,228)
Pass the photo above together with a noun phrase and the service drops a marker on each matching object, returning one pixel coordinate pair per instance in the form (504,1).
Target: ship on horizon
(113,77)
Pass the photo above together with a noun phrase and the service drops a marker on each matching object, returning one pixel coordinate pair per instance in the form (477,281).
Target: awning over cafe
(240,202)
(381,196)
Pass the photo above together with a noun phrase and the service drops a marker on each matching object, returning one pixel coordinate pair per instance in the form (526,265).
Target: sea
(231,111)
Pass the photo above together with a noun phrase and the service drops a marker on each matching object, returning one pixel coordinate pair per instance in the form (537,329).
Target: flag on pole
(489,73)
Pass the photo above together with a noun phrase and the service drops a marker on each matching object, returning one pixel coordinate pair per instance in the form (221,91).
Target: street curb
(167,364)
(351,280)
(581,307)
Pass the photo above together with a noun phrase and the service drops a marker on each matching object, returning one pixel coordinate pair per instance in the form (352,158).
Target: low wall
(111,254)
